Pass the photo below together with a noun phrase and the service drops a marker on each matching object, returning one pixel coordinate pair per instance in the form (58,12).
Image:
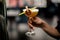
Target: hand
(35,22)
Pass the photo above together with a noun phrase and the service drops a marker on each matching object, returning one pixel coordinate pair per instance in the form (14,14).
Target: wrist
(44,25)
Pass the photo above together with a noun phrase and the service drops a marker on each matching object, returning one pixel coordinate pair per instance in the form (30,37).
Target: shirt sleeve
(58,26)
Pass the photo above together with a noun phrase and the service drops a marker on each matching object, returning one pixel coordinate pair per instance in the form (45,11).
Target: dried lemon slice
(24,12)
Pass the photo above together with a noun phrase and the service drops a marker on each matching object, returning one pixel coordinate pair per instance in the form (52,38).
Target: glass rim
(35,10)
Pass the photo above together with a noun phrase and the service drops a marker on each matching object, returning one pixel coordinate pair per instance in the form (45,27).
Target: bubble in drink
(31,12)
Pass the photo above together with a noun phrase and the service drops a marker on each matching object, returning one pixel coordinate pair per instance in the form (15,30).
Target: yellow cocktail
(31,13)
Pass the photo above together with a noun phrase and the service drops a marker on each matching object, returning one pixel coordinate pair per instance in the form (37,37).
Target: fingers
(30,19)
(34,19)
(31,26)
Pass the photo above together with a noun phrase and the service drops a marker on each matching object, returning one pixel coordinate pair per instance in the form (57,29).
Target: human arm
(38,22)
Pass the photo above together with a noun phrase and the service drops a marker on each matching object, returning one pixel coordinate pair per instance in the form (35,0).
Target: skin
(38,22)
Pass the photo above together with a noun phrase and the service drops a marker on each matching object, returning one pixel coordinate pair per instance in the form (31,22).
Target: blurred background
(17,25)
